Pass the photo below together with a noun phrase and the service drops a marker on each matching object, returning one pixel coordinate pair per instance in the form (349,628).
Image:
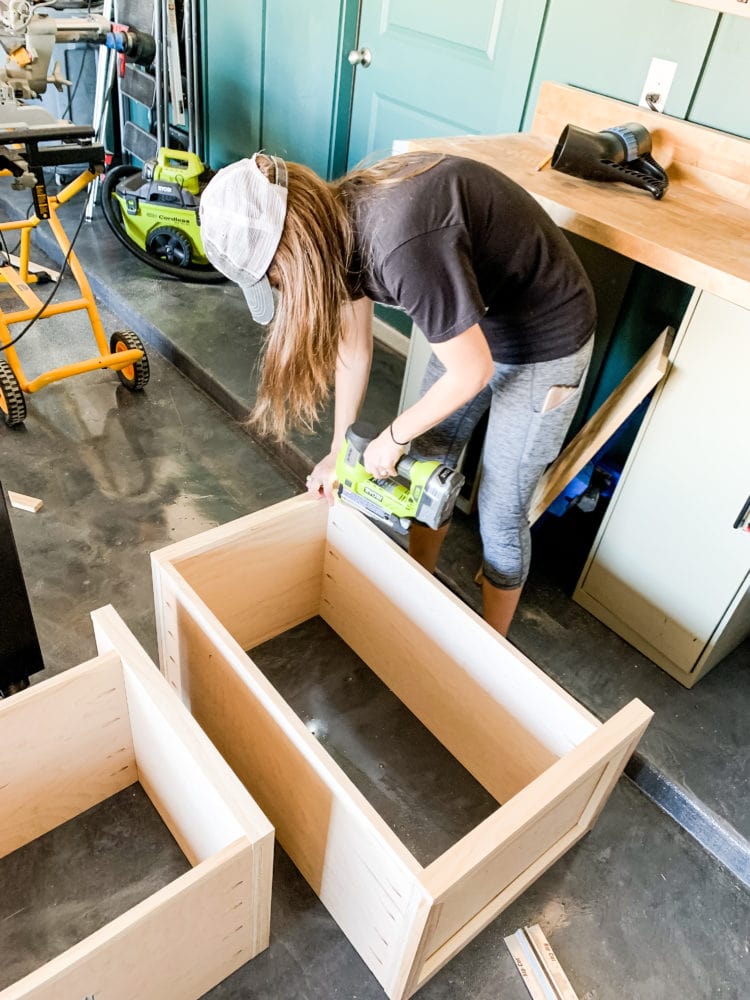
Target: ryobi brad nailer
(422,491)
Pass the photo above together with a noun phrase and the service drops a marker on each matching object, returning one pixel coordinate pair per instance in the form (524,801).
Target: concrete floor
(637,909)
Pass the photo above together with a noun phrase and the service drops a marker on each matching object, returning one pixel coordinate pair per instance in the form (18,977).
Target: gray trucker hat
(242,216)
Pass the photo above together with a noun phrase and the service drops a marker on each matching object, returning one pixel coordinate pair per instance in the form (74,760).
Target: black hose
(205,275)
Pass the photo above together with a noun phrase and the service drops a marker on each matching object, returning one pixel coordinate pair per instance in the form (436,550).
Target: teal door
(307,81)
(441,68)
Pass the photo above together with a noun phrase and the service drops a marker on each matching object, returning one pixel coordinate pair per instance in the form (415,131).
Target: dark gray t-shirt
(460,244)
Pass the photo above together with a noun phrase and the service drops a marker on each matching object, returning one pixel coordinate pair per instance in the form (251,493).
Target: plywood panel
(489,867)
(485,737)
(362,873)
(501,716)
(179,942)
(65,747)
(516,856)
(261,573)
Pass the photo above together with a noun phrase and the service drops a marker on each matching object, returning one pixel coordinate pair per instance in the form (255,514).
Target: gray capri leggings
(527,426)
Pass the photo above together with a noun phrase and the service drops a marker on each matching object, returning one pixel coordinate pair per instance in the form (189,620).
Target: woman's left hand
(381,456)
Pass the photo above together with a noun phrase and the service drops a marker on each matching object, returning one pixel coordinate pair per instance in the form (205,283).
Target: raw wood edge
(344,516)
(406,976)
(738,7)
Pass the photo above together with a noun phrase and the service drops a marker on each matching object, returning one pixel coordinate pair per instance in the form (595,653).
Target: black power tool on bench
(621,153)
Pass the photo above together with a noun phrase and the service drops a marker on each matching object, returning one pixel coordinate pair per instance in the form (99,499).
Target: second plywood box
(534,749)
(76,739)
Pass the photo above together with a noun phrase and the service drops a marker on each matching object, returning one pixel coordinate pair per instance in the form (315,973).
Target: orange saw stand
(124,352)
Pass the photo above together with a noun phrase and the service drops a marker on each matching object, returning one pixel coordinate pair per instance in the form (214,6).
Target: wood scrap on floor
(22,502)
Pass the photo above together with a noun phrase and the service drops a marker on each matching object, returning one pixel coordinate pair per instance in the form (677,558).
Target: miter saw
(28,35)
(153,211)
(31,137)
(421,491)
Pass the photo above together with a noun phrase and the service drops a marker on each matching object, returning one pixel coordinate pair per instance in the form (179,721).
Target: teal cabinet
(721,100)
(277,76)
(607,48)
(307,81)
(232,44)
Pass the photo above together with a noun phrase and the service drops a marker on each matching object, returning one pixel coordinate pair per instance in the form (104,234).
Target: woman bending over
(477,265)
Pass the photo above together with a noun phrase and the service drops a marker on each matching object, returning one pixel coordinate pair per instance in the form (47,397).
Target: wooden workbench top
(699,232)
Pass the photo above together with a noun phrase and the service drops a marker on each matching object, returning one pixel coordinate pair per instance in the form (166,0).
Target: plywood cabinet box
(534,749)
(70,742)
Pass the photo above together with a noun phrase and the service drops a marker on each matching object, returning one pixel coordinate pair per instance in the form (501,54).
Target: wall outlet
(658,83)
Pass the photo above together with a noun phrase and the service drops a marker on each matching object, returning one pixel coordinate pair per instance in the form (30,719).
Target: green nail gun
(422,491)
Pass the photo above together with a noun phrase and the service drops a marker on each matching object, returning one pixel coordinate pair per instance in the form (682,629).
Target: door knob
(360,57)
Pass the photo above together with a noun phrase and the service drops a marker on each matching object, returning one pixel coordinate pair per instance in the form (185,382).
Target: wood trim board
(640,380)
(530,744)
(68,743)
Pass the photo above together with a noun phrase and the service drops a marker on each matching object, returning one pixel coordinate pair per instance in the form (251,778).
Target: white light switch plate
(658,81)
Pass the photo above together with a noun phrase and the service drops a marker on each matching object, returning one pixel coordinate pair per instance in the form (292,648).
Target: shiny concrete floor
(637,909)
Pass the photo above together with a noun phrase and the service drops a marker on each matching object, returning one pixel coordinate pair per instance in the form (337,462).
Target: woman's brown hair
(312,272)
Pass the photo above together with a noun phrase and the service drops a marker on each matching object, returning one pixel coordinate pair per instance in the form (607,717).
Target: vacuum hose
(621,153)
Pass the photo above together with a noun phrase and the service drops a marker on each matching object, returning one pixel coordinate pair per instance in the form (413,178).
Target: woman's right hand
(321,481)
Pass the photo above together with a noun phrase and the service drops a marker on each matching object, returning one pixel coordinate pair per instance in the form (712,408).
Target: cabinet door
(718,102)
(668,563)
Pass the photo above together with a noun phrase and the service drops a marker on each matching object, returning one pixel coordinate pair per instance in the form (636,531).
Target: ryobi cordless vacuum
(153,211)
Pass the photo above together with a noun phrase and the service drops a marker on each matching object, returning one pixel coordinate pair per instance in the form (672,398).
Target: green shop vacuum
(153,211)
